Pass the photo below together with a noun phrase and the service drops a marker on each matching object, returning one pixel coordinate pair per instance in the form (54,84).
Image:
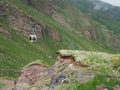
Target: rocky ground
(51,78)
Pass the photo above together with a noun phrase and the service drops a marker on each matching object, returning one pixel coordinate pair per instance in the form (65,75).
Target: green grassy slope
(114,26)
(16,50)
(100,26)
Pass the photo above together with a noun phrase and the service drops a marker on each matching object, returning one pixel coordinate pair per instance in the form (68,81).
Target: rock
(18,88)
(100,87)
(50,79)
(82,77)
(117,87)
(57,80)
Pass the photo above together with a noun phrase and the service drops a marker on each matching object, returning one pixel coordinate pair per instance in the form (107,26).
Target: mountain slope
(108,14)
(18,18)
(91,23)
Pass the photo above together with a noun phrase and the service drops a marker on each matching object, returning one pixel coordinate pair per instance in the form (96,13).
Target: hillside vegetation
(84,33)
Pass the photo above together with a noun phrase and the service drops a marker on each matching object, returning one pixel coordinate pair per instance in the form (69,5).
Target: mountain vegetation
(89,25)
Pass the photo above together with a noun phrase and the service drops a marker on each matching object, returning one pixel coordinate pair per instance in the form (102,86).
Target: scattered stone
(57,80)
(100,87)
(117,87)
(107,79)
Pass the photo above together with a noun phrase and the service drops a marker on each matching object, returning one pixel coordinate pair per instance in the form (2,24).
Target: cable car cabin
(33,38)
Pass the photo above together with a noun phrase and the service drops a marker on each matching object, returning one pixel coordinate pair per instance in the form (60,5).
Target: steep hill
(57,24)
(94,20)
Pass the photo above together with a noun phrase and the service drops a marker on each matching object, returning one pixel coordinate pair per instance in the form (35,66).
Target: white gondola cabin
(32,37)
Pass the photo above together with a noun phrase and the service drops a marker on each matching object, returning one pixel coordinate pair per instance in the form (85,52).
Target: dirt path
(8,84)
